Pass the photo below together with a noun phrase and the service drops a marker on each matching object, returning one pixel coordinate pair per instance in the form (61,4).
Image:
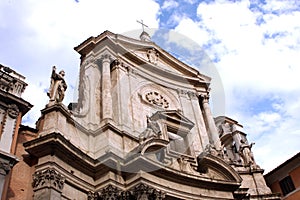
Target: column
(106,87)
(213,132)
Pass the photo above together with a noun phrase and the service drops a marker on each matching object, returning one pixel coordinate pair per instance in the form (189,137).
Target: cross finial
(143,25)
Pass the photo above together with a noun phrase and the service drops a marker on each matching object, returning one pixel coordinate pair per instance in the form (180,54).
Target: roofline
(89,43)
(282,165)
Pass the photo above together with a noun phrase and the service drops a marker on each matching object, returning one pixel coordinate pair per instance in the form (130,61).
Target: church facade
(142,129)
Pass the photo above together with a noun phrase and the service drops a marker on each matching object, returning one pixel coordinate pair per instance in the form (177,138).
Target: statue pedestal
(54,119)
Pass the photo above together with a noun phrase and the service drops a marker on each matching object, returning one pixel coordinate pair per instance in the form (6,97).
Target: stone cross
(142,23)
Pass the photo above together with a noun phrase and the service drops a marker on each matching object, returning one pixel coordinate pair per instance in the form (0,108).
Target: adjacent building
(12,109)
(285,179)
(142,129)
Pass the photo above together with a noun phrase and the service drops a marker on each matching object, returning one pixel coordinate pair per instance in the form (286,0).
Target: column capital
(106,56)
(205,98)
(143,191)
(48,178)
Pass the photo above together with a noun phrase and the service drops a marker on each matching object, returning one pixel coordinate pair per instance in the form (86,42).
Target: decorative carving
(110,192)
(145,192)
(153,130)
(48,178)
(106,57)
(225,128)
(182,93)
(157,99)
(13,111)
(152,56)
(211,149)
(205,98)
(192,95)
(5,167)
(185,165)
(89,60)
(116,62)
(58,86)
(92,196)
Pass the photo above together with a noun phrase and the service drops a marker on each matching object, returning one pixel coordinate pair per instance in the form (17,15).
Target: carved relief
(48,178)
(157,99)
(5,167)
(13,111)
(89,60)
(192,95)
(187,94)
(110,192)
(92,196)
(152,56)
(145,192)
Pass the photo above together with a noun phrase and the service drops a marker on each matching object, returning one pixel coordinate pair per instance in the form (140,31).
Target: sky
(254,46)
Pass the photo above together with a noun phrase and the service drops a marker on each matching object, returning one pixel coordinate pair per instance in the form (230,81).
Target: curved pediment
(217,168)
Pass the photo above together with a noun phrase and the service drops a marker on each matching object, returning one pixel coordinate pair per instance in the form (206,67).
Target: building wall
(295,175)
(21,175)
(289,168)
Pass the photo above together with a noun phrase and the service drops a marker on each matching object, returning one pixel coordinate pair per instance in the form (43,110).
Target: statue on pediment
(58,86)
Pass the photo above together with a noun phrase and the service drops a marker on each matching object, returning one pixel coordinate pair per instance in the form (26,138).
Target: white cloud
(169,4)
(35,35)
(258,64)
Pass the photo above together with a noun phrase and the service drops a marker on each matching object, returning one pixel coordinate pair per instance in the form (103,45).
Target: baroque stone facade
(142,129)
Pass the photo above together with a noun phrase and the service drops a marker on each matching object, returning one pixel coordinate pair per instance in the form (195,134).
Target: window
(286,185)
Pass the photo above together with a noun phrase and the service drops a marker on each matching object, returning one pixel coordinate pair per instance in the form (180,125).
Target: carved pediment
(216,168)
(174,118)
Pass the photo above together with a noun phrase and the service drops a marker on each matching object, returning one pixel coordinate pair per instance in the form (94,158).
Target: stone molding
(48,178)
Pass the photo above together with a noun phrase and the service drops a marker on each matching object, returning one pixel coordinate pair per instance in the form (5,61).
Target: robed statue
(246,154)
(58,86)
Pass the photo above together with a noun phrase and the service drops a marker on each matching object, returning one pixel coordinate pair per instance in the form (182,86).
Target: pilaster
(106,87)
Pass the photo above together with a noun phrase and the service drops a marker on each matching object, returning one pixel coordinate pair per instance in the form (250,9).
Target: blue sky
(254,46)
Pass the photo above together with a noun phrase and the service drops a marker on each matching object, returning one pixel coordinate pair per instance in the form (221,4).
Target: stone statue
(153,125)
(152,130)
(246,153)
(58,86)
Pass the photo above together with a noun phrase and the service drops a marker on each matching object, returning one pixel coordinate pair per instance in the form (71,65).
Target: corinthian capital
(143,191)
(205,98)
(48,178)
